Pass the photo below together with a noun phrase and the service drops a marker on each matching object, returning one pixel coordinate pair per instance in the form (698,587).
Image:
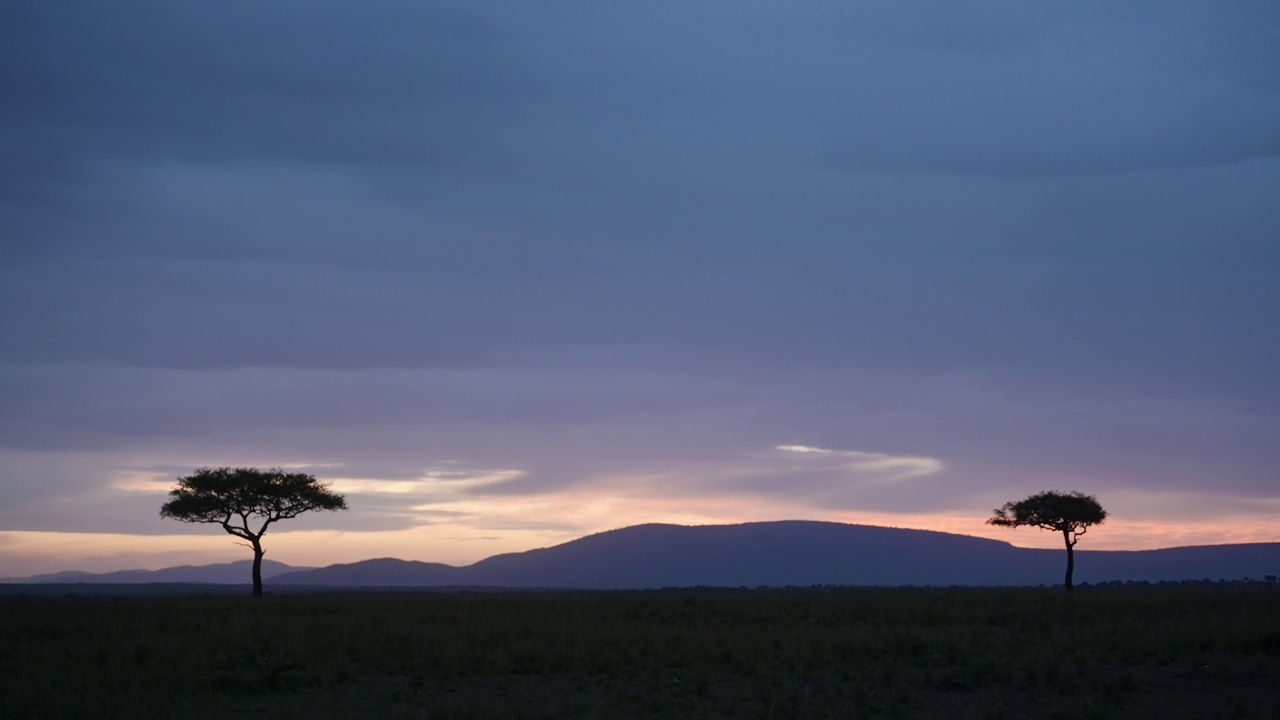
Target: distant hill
(775,554)
(237,572)
(382,572)
(797,553)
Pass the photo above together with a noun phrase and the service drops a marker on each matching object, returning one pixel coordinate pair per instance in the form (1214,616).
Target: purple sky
(508,273)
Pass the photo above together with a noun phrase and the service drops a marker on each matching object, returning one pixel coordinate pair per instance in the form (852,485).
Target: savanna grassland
(1171,651)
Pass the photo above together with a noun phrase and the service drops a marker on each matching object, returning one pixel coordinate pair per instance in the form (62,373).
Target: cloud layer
(616,262)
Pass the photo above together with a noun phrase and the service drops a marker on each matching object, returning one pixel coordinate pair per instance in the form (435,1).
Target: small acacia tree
(1068,513)
(245,501)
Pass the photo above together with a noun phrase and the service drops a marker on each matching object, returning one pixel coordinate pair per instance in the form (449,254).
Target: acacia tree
(1068,513)
(245,501)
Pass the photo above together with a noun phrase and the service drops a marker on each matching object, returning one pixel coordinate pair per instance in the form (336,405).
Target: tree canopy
(1069,513)
(246,501)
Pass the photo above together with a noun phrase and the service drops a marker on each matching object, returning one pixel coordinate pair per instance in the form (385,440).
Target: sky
(509,273)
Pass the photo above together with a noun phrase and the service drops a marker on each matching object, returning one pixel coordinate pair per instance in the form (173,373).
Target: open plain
(1203,651)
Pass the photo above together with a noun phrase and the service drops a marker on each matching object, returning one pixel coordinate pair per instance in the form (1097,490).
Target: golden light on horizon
(481,527)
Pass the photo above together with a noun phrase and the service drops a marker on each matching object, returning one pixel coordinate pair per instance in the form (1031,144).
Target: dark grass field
(1160,652)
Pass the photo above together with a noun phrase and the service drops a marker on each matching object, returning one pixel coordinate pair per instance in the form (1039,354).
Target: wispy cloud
(143,482)
(149,481)
(804,449)
(431,482)
(306,466)
(881,466)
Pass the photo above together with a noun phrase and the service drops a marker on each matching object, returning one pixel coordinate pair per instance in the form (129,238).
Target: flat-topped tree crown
(1068,513)
(245,501)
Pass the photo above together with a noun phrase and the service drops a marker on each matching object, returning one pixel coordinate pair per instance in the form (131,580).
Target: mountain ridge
(773,554)
(233,572)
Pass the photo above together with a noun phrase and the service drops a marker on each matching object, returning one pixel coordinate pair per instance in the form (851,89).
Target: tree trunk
(1071,559)
(257,570)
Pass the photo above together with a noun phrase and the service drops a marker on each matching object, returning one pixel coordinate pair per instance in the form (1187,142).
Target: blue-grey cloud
(1034,242)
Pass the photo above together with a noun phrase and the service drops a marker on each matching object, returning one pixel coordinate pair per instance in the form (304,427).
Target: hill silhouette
(794,553)
(235,572)
(774,554)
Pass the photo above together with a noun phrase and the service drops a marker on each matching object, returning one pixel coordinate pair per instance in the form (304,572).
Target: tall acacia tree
(1068,513)
(245,501)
